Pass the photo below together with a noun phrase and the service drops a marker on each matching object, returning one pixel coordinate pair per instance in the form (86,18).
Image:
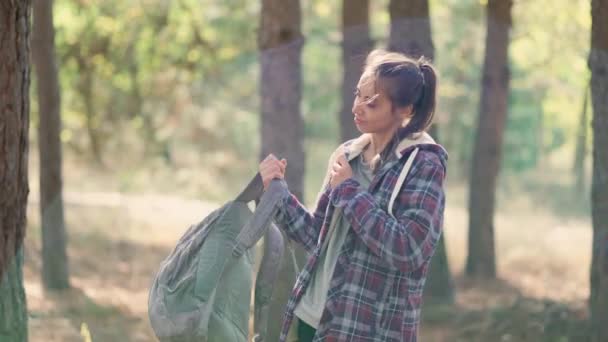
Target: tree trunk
(356,44)
(55,272)
(580,152)
(89,109)
(439,286)
(411,28)
(85,85)
(481,259)
(598,63)
(14,124)
(280,43)
(411,34)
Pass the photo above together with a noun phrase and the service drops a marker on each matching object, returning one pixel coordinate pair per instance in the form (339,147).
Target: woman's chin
(360,127)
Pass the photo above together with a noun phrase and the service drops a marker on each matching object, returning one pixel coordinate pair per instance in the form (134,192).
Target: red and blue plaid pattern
(376,289)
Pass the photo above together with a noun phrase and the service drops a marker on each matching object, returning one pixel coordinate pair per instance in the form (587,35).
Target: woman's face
(372,109)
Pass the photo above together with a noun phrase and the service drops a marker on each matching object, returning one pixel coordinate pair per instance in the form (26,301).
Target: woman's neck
(380,140)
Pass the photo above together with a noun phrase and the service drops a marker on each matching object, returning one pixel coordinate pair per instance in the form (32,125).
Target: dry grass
(117,242)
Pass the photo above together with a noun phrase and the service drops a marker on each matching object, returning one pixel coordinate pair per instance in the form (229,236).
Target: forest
(125,122)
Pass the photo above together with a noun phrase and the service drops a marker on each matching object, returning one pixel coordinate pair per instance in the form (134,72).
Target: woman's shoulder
(433,155)
(341,149)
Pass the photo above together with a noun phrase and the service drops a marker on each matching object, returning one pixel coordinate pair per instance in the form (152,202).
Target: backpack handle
(253,190)
(257,225)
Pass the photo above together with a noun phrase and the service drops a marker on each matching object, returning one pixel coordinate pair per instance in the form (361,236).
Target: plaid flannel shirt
(376,290)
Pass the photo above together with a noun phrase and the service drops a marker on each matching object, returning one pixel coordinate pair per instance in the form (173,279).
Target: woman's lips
(358,121)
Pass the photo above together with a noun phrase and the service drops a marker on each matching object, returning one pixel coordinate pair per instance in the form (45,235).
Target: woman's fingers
(271,168)
(270,157)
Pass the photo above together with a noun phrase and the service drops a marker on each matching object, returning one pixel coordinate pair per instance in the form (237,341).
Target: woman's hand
(271,168)
(340,171)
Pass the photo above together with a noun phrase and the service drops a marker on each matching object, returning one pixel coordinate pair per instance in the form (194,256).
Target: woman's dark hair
(405,81)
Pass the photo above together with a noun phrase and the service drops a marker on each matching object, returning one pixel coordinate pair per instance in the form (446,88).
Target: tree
(598,64)
(410,31)
(356,44)
(411,34)
(488,142)
(55,274)
(280,43)
(14,123)
(578,168)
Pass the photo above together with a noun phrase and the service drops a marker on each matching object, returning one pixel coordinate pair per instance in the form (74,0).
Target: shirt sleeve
(407,241)
(298,223)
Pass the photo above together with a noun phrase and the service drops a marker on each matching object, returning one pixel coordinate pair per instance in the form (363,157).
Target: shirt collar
(357,145)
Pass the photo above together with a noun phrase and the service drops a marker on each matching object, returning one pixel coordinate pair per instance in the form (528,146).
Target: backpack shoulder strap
(401,179)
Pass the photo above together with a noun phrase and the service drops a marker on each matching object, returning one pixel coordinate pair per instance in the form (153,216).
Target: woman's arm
(408,241)
(298,223)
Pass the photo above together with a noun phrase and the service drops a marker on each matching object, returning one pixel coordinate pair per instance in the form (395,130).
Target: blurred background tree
(598,64)
(55,273)
(487,153)
(169,97)
(410,33)
(14,122)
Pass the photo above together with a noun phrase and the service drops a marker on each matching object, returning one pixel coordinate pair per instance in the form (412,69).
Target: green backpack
(202,291)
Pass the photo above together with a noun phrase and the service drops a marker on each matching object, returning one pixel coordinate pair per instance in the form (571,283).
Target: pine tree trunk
(14,124)
(356,44)
(54,257)
(598,63)
(481,260)
(578,168)
(411,34)
(411,28)
(280,43)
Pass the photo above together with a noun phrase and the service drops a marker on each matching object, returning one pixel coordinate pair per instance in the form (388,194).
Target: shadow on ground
(494,310)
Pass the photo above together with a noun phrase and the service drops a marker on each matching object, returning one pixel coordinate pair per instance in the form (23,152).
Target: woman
(367,264)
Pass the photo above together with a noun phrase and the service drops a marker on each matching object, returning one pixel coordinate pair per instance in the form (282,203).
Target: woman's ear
(406,112)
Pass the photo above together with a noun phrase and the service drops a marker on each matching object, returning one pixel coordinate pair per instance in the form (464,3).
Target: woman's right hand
(271,168)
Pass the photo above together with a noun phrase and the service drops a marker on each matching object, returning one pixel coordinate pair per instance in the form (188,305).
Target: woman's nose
(356,107)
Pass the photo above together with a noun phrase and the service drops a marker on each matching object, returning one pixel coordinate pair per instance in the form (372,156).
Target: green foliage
(167,80)
(521,142)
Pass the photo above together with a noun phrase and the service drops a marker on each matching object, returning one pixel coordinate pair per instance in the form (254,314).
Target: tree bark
(598,63)
(55,273)
(356,44)
(280,44)
(580,151)
(481,260)
(411,34)
(14,124)
(85,84)
(410,31)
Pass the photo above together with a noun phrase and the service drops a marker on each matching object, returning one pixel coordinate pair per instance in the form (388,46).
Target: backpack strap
(401,179)
(266,279)
(253,190)
(258,224)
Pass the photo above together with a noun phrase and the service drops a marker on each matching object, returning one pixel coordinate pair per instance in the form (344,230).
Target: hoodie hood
(423,140)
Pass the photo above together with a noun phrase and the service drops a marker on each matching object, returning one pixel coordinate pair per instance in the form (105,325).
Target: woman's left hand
(340,172)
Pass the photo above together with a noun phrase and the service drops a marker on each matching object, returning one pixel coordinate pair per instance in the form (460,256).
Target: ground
(116,243)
